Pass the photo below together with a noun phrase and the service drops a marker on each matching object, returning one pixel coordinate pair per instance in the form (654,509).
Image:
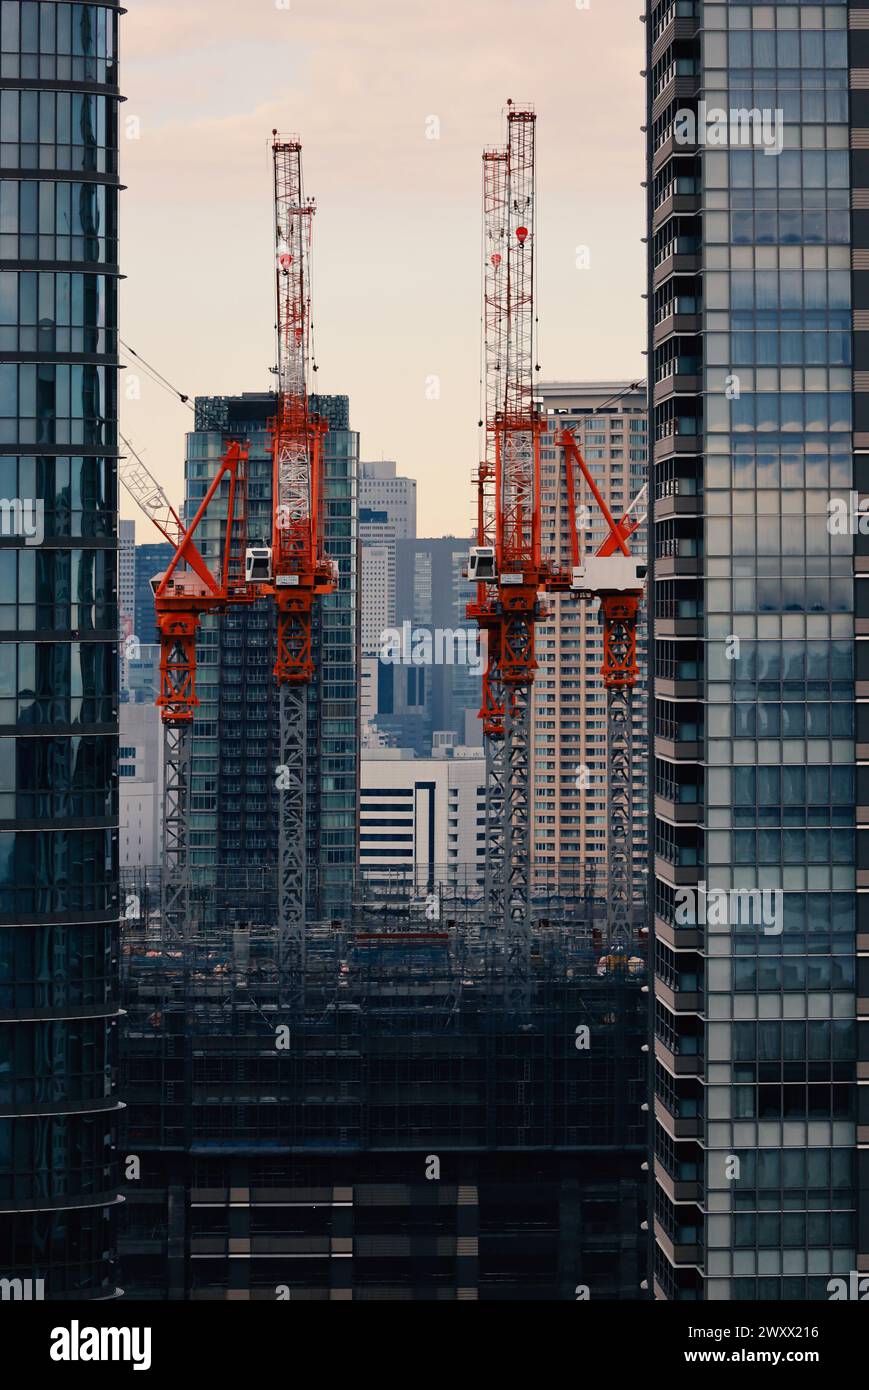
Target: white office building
(140,769)
(423,817)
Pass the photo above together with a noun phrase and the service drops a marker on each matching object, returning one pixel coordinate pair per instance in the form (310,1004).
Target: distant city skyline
(397,234)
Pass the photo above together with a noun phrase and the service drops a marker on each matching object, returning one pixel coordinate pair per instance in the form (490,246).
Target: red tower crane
(510,572)
(182,594)
(296,570)
(485,610)
(506,563)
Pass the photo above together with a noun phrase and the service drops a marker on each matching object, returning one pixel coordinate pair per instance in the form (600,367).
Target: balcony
(680,1127)
(683,1062)
(670,148)
(676,1190)
(679,441)
(678,383)
(676,263)
(680,749)
(678,1000)
(683,813)
(677,1252)
(674,322)
(679,938)
(678,565)
(680,664)
(679,497)
(680,618)
(672,21)
(678,875)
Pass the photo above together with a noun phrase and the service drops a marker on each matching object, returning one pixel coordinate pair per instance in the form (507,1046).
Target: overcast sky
(397,231)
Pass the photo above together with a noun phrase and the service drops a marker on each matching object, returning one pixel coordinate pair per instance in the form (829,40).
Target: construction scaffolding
(405,1039)
(293,1148)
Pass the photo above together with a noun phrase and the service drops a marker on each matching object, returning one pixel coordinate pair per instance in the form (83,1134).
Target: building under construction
(404,1136)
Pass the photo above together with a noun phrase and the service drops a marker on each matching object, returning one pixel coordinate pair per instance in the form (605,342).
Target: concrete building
(140,772)
(569,714)
(757,283)
(59,890)
(422,817)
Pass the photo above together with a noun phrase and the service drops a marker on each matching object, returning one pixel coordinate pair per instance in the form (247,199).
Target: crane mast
(300,570)
(509,571)
(492,708)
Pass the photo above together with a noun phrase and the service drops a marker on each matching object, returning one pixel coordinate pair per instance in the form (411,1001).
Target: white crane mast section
(293,222)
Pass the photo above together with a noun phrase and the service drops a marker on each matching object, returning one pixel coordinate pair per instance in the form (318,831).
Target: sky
(397,234)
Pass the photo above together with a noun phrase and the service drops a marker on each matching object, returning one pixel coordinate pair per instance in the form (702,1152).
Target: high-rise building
(757,283)
(382,493)
(234,816)
(378,594)
(59,904)
(387,513)
(152,558)
(569,711)
(126,597)
(140,772)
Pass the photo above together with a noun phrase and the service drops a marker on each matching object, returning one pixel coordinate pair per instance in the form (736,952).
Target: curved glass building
(59,904)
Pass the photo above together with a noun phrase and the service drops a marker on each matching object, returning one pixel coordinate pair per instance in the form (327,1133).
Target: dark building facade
(757,269)
(59,904)
(234,798)
(412,1143)
(151,559)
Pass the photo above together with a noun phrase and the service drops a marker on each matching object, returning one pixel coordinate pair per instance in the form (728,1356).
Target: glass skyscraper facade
(233,814)
(59,905)
(752,299)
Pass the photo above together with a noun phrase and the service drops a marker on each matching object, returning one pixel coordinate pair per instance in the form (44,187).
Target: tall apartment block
(758,248)
(569,712)
(59,904)
(234,817)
